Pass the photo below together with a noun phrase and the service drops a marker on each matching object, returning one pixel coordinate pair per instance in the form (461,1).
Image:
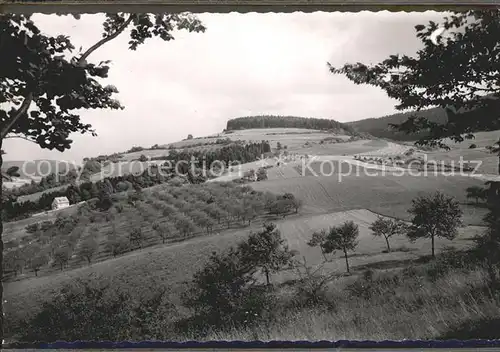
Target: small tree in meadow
(318,239)
(434,216)
(88,249)
(184,225)
(203,220)
(164,231)
(341,238)
(38,262)
(61,257)
(136,237)
(267,251)
(261,174)
(476,192)
(116,245)
(387,228)
(32,228)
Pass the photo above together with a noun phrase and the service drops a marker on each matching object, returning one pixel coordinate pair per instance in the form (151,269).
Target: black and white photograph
(250,176)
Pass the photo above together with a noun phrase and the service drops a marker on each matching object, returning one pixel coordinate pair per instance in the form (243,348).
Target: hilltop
(272,121)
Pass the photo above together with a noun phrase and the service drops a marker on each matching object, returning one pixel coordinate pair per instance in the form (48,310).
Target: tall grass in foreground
(445,298)
(387,307)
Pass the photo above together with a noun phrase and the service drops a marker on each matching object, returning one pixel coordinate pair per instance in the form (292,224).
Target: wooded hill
(380,126)
(272,121)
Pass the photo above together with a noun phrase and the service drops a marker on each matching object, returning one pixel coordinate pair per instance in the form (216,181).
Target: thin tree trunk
(346,261)
(388,245)
(432,242)
(323,254)
(267,276)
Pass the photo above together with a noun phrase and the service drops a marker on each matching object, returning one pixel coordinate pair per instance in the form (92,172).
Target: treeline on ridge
(236,152)
(272,121)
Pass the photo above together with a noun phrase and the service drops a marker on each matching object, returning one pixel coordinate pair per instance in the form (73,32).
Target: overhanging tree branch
(29,99)
(20,137)
(22,110)
(103,41)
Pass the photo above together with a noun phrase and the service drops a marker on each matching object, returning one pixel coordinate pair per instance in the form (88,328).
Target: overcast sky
(244,64)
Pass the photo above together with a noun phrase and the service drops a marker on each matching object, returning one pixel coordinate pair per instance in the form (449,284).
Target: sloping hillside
(485,118)
(271,121)
(380,126)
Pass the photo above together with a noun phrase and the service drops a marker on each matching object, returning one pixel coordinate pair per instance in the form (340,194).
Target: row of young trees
(181,213)
(143,218)
(271,121)
(436,216)
(52,243)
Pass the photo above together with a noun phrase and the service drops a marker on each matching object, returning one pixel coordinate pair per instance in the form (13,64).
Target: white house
(59,203)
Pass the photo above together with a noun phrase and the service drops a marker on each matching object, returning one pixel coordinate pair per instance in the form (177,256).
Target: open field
(293,138)
(348,148)
(35,196)
(388,195)
(18,182)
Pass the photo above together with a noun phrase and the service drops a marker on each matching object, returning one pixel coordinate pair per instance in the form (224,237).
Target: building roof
(60,200)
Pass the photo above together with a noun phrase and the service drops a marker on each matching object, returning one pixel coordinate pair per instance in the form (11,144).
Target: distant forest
(380,126)
(270,121)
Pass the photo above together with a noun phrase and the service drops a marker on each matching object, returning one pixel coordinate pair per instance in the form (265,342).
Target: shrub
(93,310)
